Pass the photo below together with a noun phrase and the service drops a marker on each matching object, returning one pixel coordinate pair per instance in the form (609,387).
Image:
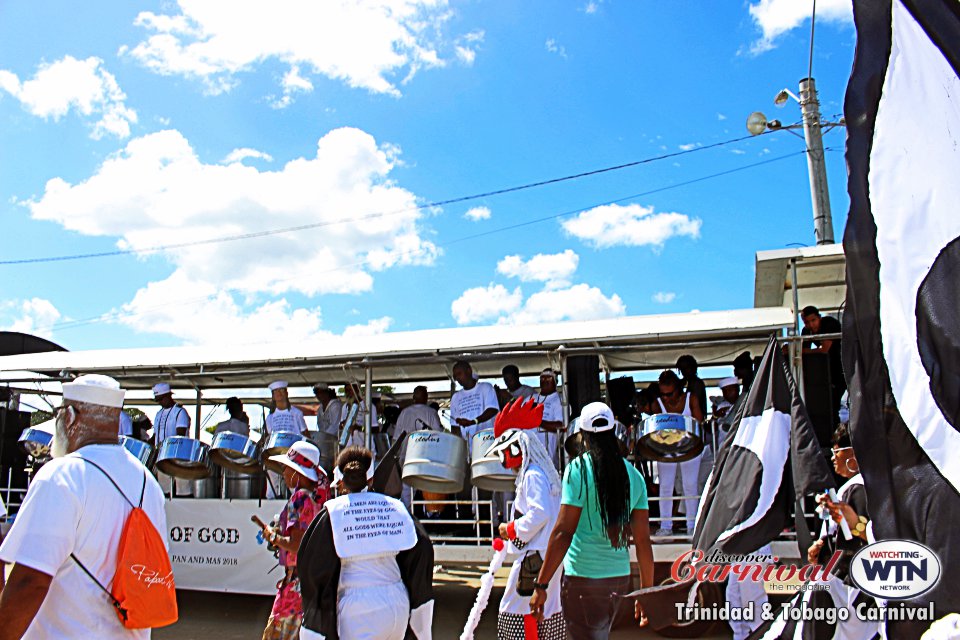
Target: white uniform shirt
(126,424)
(469,404)
(71,507)
(416,417)
(166,422)
(552,412)
(523,391)
(286,420)
(234,425)
(328,421)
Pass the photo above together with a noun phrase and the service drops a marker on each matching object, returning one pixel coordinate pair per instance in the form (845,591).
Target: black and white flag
(769,459)
(902,243)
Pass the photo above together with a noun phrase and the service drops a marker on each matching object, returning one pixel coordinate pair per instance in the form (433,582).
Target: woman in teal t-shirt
(604,500)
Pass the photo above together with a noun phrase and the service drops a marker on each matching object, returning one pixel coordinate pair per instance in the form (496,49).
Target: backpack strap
(116,603)
(143,489)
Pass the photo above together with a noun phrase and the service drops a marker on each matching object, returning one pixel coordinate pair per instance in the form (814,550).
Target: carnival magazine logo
(756,567)
(895,569)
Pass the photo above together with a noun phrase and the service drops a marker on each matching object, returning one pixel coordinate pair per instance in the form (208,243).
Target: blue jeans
(589,605)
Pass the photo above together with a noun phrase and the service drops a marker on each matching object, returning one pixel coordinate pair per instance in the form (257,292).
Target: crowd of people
(572,522)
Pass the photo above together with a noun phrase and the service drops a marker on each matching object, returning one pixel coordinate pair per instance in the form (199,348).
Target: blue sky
(175,122)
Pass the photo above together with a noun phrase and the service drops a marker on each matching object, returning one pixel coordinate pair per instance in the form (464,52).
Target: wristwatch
(860,527)
(541,585)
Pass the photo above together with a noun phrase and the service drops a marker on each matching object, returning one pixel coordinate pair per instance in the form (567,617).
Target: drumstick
(257,521)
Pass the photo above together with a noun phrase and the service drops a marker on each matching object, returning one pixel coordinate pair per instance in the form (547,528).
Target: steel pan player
(171,420)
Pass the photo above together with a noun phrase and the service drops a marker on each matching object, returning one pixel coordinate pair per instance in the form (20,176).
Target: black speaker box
(583,382)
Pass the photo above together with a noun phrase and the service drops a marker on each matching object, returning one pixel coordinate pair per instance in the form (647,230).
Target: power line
(119,315)
(370,216)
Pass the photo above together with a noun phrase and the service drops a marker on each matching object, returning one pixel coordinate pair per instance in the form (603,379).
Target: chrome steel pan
(141,450)
(235,452)
(486,472)
(36,443)
(669,437)
(436,461)
(276,444)
(183,457)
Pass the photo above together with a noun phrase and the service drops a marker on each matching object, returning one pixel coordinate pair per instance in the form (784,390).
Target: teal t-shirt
(591,555)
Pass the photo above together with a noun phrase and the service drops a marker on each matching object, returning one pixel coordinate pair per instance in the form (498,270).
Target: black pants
(590,605)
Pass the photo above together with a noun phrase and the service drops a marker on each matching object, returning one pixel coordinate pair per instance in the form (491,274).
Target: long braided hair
(612,483)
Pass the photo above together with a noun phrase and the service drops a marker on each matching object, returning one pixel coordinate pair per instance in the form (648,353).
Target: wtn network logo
(895,569)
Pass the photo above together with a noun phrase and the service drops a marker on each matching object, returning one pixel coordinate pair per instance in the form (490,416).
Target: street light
(812,125)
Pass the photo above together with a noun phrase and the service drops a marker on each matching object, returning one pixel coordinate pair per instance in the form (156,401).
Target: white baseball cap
(95,389)
(161,389)
(596,417)
(728,382)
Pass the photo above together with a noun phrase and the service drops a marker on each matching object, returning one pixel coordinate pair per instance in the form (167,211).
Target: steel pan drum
(183,457)
(141,450)
(486,472)
(235,452)
(669,437)
(436,461)
(36,443)
(276,444)
(242,486)
(209,487)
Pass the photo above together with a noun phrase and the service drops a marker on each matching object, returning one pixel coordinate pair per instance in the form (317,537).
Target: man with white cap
(328,423)
(285,417)
(75,512)
(171,420)
(551,429)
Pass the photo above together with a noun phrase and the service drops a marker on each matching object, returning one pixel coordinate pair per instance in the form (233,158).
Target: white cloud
(691,146)
(578,302)
(738,152)
(664,297)
(776,17)
(292,84)
(631,225)
(366,45)
(82,86)
(158,192)
(721,117)
(481,304)
(554,47)
(211,316)
(555,270)
(35,316)
(477,213)
(239,155)
(591,7)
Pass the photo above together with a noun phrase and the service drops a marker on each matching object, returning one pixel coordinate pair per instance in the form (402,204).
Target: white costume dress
(536,507)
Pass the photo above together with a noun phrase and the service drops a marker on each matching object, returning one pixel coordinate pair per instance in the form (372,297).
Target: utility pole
(819,195)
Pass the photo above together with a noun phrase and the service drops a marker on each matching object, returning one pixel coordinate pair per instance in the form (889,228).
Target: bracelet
(476,421)
(541,585)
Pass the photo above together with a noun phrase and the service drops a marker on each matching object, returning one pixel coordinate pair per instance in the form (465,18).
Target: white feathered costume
(536,508)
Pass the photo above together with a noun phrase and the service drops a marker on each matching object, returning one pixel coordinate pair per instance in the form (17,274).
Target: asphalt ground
(206,616)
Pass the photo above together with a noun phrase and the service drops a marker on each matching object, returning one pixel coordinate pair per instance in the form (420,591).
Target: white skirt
(513,602)
(378,612)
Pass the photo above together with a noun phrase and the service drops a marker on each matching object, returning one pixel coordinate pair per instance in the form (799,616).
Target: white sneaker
(661,532)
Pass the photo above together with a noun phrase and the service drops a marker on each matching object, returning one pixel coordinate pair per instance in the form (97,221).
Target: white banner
(214,546)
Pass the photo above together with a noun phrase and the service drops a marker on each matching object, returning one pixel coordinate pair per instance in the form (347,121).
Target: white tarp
(214,545)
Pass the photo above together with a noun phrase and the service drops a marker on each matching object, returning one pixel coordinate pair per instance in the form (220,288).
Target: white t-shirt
(167,421)
(126,424)
(469,404)
(286,420)
(328,421)
(71,507)
(416,417)
(234,425)
(523,391)
(552,412)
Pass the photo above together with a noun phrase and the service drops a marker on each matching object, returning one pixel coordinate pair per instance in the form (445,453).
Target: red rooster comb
(518,415)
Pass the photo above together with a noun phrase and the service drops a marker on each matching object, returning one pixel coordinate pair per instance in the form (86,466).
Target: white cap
(338,475)
(161,389)
(548,373)
(304,458)
(375,395)
(277,384)
(728,382)
(596,417)
(94,389)
(321,386)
